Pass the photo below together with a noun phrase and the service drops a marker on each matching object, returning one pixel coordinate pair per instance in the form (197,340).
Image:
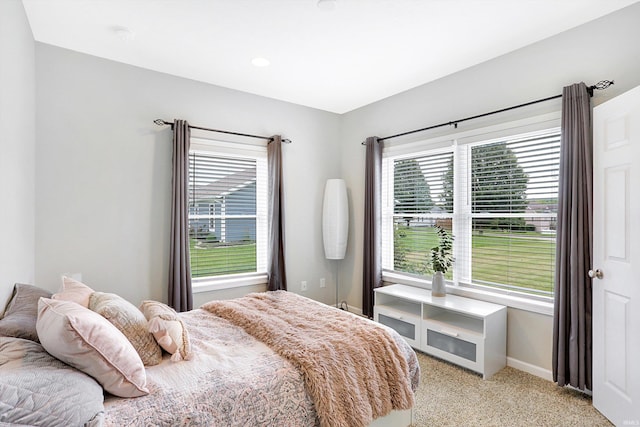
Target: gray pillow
(37,389)
(22,312)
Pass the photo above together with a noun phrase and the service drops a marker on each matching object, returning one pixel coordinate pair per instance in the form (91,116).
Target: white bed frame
(395,419)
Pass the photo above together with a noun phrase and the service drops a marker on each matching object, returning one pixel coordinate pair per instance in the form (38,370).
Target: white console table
(464,331)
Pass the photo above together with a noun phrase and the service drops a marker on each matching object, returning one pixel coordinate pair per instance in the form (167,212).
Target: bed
(267,359)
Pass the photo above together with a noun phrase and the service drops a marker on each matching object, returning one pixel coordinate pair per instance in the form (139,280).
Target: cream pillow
(75,291)
(88,342)
(130,321)
(168,329)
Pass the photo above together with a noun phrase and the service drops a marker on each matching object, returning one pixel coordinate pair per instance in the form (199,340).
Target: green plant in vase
(441,259)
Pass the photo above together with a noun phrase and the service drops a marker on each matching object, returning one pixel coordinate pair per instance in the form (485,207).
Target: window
(227,209)
(497,197)
(419,196)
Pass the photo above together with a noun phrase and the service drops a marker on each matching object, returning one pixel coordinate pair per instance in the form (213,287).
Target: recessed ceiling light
(124,33)
(326,4)
(260,62)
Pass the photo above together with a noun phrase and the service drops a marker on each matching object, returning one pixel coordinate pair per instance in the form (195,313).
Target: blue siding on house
(241,201)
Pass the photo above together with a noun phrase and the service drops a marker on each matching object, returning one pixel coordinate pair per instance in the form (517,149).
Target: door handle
(595,274)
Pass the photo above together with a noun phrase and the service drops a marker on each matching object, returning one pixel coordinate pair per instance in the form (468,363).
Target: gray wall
(529,338)
(201,298)
(603,49)
(17,145)
(104,171)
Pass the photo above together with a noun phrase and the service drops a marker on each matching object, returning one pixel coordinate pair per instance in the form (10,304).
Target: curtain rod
(603,84)
(161,122)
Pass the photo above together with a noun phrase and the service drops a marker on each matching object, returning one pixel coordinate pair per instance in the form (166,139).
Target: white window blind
(513,185)
(499,200)
(418,194)
(227,212)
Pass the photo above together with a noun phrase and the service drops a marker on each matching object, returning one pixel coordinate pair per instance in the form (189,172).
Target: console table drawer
(407,325)
(460,347)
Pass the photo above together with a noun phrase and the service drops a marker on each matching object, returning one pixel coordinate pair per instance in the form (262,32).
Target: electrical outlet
(323,283)
(303,285)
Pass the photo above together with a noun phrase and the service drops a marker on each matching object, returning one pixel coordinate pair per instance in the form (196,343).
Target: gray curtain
(572,338)
(275,261)
(180,295)
(372,256)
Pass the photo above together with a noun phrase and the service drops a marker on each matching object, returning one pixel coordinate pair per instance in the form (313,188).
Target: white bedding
(232,380)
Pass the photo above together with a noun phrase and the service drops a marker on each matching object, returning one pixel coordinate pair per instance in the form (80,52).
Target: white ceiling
(357,53)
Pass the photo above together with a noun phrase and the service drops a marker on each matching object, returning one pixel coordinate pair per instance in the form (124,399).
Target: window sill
(218,283)
(513,301)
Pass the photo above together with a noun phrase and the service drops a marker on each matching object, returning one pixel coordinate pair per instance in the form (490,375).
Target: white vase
(438,287)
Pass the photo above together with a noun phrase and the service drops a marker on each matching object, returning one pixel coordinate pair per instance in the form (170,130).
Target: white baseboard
(530,369)
(395,418)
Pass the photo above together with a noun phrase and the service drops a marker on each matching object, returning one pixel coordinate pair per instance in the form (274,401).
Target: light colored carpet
(452,396)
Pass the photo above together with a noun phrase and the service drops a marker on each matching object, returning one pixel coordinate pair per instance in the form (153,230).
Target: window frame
(453,141)
(255,151)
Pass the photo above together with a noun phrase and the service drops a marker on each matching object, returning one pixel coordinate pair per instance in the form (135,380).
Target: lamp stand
(336,275)
(342,305)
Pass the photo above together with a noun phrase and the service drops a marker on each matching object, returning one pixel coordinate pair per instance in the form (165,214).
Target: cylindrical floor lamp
(335,222)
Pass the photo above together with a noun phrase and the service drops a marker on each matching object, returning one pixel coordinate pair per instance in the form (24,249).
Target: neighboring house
(424,221)
(546,224)
(221,208)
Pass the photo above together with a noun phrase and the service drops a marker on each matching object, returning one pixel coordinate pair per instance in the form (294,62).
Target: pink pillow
(167,329)
(75,291)
(88,342)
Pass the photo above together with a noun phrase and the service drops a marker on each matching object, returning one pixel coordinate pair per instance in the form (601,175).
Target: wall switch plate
(303,285)
(323,283)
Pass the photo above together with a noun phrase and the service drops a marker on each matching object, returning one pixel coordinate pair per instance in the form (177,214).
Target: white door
(616,253)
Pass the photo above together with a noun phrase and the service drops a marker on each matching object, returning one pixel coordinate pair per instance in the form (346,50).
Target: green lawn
(210,260)
(518,259)
(513,260)
(521,260)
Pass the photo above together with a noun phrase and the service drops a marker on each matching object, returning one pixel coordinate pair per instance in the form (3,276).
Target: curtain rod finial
(160,122)
(601,85)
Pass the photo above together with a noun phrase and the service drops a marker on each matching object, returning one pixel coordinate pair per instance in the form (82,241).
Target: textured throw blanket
(353,370)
